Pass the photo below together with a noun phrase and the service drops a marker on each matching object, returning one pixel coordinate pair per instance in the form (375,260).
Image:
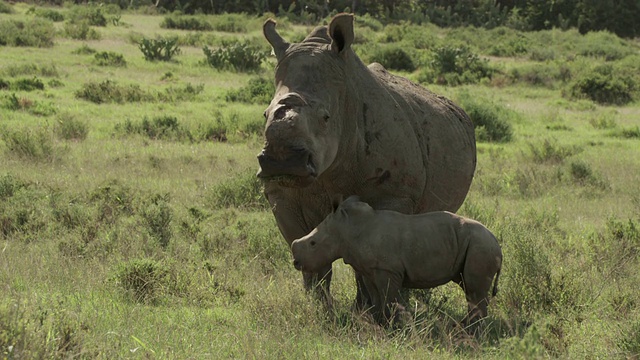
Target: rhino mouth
(297,171)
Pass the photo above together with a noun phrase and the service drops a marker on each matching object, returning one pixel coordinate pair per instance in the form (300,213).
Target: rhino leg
(363,298)
(477,277)
(319,283)
(384,288)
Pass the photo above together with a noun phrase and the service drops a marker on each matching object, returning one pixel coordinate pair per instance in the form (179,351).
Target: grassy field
(132,226)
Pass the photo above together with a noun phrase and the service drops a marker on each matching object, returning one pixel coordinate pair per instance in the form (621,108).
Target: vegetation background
(132,225)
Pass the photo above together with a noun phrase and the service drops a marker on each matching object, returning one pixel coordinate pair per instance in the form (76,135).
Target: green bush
(162,49)
(551,151)
(9,185)
(394,58)
(582,174)
(109,91)
(257,91)
(186,93)
(6,8)
(238,55)
(84,50)
(158,214)
(453,65)
(31,69)
(34,33)
(110,58)
(69,127)
(15,103)
(144,280)
(541,74)
(49,14)
(90,14)
(186,22)
(81,30)
(30,143)
(492,122)
(27,84)
(233,23)
(605,84)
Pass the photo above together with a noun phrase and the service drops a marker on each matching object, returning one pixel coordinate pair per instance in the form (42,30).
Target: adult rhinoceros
(338,127)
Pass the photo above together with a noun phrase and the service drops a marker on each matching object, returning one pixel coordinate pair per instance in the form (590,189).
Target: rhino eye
(326,117)
(265,114)
(313,243)
(281,112)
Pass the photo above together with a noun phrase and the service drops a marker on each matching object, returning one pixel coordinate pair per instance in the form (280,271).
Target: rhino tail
(495,282)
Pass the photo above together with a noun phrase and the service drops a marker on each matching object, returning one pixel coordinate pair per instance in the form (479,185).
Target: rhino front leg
(319,283)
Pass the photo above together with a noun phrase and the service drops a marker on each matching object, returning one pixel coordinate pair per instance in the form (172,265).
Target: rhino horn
(279,44)
(341,32)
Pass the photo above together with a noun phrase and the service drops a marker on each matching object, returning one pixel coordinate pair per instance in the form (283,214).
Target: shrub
(541,74)
(69,127)
(84,50)
(31,69)
(6,8)
(186,22)
(110,58)
(244,191)
(159,128)
(238,56)
(233,23)
(582,174)
(551,151)
(81,31)
(605,85)
(629,133)
(9,185)
(394,58)
(49,14)
(109,91)
(34,32)
(491,121)
(455,66)
(603,121)
(186,93)
(92,15)
(157,215)
(28,143)
(162,49)
(15,103)
(113,200)
(144,280)
(27,84)
(257,91)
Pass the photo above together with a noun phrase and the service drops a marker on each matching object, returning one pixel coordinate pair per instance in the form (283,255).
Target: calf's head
(330,240)
(304,120)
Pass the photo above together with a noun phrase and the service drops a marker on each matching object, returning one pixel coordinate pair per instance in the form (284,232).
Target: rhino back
(417,141)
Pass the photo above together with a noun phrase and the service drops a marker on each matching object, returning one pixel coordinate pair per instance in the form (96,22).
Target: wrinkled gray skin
(391,250)
(337,127)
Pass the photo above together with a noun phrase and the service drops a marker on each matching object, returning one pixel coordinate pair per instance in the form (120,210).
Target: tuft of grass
(84,50)
(551,151)
(186,22)
(69,127)
(27,84)
(49,70)
(158,214)
(143,280)
(110,58)
(582,174)
(6,8)
(243,191)
(30,143)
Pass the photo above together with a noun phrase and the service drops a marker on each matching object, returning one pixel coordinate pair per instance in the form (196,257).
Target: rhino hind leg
(476,281)
(319,283)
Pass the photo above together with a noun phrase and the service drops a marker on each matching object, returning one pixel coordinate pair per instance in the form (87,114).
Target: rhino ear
(341,32)
(279,44)
(336,200)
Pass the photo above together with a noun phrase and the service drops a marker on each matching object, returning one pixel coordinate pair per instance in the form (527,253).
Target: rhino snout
(297,265)
(297,163)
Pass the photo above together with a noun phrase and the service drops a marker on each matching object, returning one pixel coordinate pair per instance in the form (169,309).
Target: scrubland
(132,225)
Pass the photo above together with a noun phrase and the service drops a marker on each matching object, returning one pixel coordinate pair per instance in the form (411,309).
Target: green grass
(133,226)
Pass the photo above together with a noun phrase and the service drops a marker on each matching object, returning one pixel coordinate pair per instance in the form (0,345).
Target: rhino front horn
(279,44)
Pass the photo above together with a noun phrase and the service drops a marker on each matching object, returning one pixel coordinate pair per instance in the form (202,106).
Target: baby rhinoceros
(393,250)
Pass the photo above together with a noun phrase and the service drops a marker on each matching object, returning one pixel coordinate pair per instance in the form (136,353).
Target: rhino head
(334,237)
(303,121)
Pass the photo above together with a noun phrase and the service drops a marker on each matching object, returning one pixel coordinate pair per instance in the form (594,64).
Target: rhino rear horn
(341,32)
(279,44)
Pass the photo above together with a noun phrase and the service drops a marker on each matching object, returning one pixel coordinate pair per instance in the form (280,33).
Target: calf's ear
(336,200)
(341,33)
